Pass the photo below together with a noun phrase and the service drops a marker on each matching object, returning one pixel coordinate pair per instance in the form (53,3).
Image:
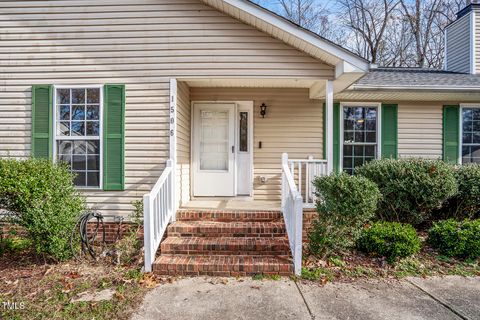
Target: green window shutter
(42,107)
(324,120)
(336,137)
(389,141)
(114,137)
(451,133)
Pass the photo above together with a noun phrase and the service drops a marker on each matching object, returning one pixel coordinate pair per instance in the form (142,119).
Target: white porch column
(173,145)
(329,124)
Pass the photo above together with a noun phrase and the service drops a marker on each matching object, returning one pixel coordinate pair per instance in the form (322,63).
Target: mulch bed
(354,265)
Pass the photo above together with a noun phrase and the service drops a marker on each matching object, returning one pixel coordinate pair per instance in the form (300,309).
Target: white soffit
(249,83)
(282,29)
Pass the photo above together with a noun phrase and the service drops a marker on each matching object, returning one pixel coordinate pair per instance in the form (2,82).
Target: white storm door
(214,151)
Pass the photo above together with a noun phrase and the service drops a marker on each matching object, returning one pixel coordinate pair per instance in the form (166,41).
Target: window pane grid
(470,135)
(78,133)
(78,112)
(359,136)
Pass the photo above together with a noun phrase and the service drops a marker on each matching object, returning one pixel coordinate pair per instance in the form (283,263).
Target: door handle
(233,149)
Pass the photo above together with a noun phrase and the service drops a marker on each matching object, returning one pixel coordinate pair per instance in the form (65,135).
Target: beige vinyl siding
(458,45)
(293,124)
(139,43)
(420,130)
(183,142)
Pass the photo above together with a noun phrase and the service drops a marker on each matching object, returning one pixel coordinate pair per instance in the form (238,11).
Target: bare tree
(398,43)
(368,20)
(309,14)
(421,16)
(428,20)
(397,33)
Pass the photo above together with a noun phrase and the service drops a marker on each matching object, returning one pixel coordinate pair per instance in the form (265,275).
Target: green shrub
(345,204)
(43,200)
(459,239)
(466,203)
(391,240)
(411,188)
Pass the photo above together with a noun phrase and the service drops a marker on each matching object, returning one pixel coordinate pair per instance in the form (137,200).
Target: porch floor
(232,204)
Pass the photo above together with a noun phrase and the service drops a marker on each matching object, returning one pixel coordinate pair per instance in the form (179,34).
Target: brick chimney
(462,37)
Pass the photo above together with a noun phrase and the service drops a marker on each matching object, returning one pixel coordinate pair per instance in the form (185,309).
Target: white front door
(214,149)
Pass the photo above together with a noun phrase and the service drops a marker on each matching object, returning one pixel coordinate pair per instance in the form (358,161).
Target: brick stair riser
(222,267)
(226,248)
(227,216)
(260,232)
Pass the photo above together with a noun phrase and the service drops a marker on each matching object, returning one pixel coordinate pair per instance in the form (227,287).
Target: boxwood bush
(411,188)
(391,240)
(466,203)
(453,238)
(345,204)
(43,200)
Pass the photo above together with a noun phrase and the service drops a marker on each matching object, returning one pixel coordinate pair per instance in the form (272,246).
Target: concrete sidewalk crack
(304,300)
(439,300)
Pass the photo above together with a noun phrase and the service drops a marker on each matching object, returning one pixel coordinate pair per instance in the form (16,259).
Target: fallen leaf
(74,275)
(119,296)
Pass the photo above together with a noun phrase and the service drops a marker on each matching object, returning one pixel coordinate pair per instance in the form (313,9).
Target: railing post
(148,230)
(298,234)
(172,187)
(308,180)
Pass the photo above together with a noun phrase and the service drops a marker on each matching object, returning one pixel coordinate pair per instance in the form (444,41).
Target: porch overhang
(345,75)
(348,66)
(289,32)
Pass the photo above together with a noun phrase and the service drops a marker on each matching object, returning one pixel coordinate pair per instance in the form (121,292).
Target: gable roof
(289,32)
(416,79)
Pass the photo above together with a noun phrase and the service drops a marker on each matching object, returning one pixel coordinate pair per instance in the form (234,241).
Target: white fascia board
(300,33)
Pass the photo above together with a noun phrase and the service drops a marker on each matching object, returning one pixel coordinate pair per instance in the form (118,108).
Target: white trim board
(100,137)
(460,128)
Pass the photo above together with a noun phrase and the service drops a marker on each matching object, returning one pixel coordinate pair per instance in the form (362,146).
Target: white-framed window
(470,133)
(77,127)
(360,134)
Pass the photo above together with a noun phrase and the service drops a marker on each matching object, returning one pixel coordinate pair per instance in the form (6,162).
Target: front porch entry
(222,149)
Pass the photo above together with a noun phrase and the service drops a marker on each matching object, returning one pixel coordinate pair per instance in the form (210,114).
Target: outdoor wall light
(263,110)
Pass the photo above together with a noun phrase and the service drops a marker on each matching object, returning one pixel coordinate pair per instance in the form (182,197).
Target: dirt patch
(31,288)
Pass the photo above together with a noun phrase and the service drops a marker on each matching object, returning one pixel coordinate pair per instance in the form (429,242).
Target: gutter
(412,88)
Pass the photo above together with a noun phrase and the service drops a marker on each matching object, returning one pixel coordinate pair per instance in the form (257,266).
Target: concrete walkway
(218,298)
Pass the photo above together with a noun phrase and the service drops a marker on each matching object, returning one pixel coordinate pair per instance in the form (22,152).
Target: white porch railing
(304,172)
(158,211)
(293,203)
(292,209)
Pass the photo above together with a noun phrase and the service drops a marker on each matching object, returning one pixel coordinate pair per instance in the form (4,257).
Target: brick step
(219,265)
(226,246)
(226,215)
(226,229)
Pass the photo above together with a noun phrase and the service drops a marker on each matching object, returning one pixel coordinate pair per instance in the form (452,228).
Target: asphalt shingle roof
(416,78)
